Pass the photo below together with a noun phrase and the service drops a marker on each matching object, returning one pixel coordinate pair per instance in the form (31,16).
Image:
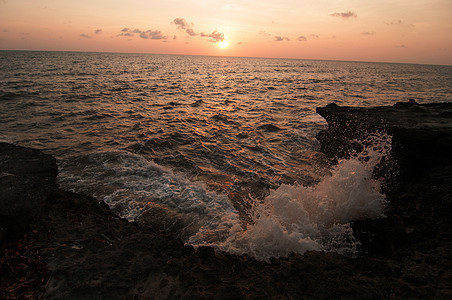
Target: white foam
(292,218)
(133,186)
(297,218)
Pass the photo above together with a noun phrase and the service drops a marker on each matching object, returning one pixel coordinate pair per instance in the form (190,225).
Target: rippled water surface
(204,146)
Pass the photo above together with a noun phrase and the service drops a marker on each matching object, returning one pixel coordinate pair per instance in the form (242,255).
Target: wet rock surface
(421,133)
(92,254)
(417,180)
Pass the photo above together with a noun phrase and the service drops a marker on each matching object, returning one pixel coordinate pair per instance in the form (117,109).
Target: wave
(5,95)
(298,218)
(141,190)
(293,218)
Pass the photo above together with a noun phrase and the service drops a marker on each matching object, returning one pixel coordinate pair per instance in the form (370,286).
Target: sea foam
(292,218)
(295,218)
(141,190)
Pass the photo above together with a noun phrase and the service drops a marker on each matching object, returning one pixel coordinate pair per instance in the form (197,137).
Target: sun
(223,44)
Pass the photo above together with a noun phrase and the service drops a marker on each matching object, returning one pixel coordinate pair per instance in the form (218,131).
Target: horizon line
(232,56)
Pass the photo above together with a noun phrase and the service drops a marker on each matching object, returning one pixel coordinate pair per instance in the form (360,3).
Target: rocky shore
(60,245)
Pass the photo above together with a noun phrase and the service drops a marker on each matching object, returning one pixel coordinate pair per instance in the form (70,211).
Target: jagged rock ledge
(73,247)
(416,177)
(421,133)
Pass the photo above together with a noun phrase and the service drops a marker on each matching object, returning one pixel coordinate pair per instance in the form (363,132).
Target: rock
(421,133)
(27,177)
(421,138)
(416,233)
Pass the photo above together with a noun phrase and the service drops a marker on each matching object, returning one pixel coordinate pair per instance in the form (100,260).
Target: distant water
(221,151)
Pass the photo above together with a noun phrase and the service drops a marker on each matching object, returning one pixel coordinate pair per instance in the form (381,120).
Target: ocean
(219,151)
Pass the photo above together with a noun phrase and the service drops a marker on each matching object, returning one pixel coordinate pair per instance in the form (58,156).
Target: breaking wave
(293,218)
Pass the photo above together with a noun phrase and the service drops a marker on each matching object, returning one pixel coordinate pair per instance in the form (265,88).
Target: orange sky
(414,31)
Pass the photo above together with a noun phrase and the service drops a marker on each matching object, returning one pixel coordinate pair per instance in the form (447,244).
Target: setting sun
(223,44)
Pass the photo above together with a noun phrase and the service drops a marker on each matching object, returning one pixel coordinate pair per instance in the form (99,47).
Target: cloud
(216,36)
(401,46)
(5,30)
(144,34)
(314,36)
(126,34)
(264,33)
(181,23)
(345,15)
(152,34)
(368,33)
(302,38)
(190,32)
(98,31)
(86,36)
(397,23)
(281,38)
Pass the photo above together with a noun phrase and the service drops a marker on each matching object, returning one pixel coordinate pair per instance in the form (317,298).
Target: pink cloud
(345,15)
(302,38)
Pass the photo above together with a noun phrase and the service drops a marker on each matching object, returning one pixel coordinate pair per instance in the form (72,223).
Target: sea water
(219,151)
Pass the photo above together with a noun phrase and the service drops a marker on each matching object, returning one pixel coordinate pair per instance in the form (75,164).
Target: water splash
(298,218)
(292,218)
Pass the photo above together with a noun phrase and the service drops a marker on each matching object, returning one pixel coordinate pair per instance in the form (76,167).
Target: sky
(406,31)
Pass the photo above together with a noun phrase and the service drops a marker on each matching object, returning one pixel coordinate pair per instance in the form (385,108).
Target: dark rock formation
(27,177)
(422,133)
(418,183)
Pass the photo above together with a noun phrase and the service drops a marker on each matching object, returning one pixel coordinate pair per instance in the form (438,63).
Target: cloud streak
(86,36)
(302,38)
(183,24)
(144,34)
(344,15)
(397,23)
(216,36)
(281,38)
(186,26)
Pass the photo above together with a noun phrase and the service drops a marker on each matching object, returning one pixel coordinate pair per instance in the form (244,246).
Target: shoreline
(75,247)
